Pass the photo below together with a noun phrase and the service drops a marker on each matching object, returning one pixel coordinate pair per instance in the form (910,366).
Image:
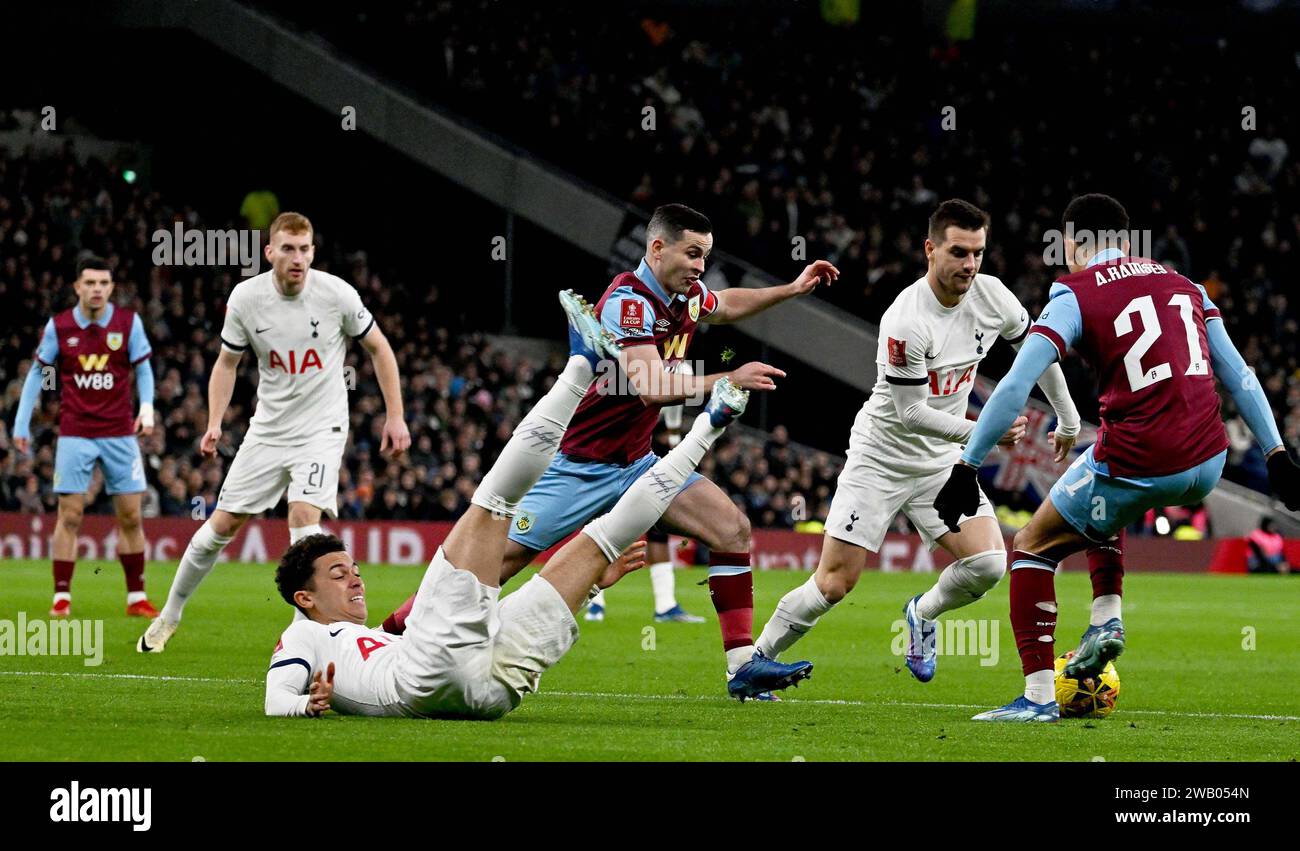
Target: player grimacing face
(956,260)
(93,290)
(290,256)
(678,265)
(337,592)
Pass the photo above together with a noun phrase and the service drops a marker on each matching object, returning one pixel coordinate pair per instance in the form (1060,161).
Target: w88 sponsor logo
(94,380)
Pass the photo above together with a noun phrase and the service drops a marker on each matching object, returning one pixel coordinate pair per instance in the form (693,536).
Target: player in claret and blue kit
(96,348)
(1157,343)
(653,312)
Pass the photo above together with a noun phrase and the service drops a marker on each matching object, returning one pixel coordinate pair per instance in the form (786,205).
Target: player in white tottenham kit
(298,323)
(463,654)
(910,432)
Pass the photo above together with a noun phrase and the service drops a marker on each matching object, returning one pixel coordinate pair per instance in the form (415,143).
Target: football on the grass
(1089,697)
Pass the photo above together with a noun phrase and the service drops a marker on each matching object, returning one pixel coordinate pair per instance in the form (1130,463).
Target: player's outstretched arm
(1239,378)
(1006,402)
(655,385)
(396,438)
(740,303)
(221,386)
(914,411)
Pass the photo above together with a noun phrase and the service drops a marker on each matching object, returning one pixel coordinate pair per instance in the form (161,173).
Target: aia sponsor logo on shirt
(897,352)
(294,364)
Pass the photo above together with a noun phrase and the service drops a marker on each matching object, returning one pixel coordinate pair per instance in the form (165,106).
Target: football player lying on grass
(464,654)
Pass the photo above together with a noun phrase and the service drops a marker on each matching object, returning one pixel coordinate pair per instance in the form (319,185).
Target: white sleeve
(1052,382)
(356,319)
(1015,319)
(901,352)
(289,677)
(234,335)
(913,409)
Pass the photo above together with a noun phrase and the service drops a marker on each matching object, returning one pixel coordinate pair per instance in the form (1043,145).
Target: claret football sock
(731,586)
(798,612)
(1106,569)
(63,575)
(535,441)
(200,555)
(1033,612)
(133,569)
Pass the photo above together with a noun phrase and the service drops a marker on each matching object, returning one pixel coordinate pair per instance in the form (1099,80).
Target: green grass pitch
(633,690)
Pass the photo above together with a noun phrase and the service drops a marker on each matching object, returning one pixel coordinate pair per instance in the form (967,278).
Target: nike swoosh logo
(929,356)
(260,330)
(335,633)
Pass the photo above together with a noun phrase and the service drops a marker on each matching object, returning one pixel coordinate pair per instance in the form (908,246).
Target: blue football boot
(922,653)
(1024,710)
(1099,646)
(677,615)
(761,674)
(586,337)
(726,402)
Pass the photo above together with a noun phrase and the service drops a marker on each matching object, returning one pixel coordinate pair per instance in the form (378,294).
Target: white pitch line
(603,695)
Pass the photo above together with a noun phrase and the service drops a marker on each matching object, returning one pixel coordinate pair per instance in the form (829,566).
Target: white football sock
(962,583)
(534,442)
(598,599)
(200,556)
(296,535)
(133,597)
(1040,686)
(664,584)
(641,506)
(797,613)
(1104,608)
(62,595)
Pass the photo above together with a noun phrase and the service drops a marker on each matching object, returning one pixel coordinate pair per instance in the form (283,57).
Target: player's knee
(70,518)
(128,520)
(982,571)
(835,580)
(738,533)
(1025,541)
(303,515)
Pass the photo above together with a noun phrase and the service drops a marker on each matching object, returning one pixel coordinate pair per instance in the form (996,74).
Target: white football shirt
(923,342)
(300,343)
(363,663)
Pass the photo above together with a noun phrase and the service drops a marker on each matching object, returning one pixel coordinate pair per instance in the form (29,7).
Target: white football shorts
(869,495)
(261,474)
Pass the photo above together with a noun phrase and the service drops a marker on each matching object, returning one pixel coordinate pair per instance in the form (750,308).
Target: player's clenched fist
(756,376)
(1016,433)
(318,698)
(1284,478)
(960,495)
(208,445)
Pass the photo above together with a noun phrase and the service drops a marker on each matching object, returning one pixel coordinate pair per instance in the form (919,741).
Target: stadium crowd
(463,395)
(850,139)
(850,156)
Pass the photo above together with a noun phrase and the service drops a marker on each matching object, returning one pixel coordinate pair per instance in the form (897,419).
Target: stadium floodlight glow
(129,175)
